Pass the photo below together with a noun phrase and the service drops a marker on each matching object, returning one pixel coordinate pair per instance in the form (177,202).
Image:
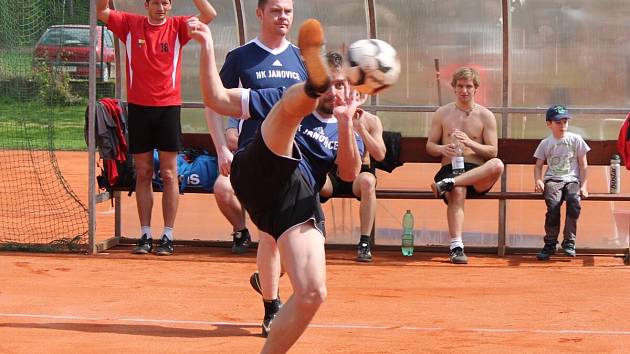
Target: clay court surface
(200,301)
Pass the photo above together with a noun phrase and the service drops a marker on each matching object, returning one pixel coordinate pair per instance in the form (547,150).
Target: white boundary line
(325,326)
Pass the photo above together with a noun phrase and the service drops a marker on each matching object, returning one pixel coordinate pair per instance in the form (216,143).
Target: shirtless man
(370,129)
(474,128)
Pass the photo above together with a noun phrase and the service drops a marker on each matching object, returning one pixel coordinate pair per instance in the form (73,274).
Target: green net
(44,51)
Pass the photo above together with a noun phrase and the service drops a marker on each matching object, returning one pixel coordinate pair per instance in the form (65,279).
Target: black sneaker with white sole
(240,241)
(458,256)
(143,246)
(254,281)
(165,247)
(440,187)
(363,253)
(271,310)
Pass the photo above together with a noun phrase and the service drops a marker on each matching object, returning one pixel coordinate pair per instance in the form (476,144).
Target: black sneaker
(240,241)
(266,324)
(626,259)
(165,247)
(546,252)
(363,253)
(143,246)
(446,185)
(569,248)
(254,281)
(458,256)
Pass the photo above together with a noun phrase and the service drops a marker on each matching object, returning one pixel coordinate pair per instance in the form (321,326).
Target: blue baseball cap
(557,112)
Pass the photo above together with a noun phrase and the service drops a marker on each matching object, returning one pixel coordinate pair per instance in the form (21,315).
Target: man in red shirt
(154,46)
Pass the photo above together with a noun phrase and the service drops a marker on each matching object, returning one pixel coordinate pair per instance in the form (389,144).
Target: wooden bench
(511,152)
(413,150)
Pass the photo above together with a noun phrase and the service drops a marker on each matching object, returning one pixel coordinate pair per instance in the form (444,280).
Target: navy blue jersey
(256,66)
(317,137)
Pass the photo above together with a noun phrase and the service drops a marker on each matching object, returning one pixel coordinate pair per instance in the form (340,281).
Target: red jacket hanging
(623,142)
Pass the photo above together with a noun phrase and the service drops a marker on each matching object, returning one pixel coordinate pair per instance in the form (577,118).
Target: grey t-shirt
(562,156)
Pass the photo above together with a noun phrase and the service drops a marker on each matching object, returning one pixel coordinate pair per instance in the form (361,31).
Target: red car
(66,47)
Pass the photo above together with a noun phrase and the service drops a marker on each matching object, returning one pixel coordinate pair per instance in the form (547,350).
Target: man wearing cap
(564,179)
(474,128)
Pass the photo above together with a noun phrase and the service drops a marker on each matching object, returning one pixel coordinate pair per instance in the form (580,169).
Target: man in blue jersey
(370,128)
(278,175)
(269,60)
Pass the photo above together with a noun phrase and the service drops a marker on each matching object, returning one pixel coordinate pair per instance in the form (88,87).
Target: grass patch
(16,62)
(32,125)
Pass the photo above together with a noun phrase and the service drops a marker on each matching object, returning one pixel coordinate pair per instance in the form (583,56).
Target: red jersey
(153,57)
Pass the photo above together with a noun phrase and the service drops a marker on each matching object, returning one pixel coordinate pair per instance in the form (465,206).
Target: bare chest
(471,125)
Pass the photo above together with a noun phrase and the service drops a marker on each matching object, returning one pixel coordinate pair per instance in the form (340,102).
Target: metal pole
(437,80)
(240,21)
(91,130)
(118,95)
(371,22)
(505,7)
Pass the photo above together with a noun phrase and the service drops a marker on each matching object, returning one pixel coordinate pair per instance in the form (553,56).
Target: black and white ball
(373,65)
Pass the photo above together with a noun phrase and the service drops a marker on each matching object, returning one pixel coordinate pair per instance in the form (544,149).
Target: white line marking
(325,326)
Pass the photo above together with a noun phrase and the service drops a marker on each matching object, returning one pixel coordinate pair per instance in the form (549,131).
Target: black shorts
(341,187)
(447,172)
(273,190)
(154,128)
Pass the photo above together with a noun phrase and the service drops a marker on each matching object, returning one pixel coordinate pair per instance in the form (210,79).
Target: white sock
(168,232)
(457,242)
(146,230)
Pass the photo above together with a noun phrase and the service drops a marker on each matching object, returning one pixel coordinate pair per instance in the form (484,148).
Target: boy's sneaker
(446,185)
(546,252)
(311,41)
(165,247)
(143,246)
(569,248)
(363,253)
(240,241)
(458,256)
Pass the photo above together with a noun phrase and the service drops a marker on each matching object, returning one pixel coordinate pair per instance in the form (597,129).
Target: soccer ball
(374,65)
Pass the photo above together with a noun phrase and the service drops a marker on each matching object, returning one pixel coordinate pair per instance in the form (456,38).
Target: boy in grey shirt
(565,179)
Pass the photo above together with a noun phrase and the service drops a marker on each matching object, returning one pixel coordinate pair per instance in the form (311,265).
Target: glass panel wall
(572,52)
(456,32)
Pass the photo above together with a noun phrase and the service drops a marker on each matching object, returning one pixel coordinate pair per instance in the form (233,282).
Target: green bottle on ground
(407,235)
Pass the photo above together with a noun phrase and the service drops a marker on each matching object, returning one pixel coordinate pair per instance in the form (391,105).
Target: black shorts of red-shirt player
(154,128)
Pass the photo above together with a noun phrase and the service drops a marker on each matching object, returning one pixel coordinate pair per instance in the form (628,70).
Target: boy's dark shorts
(273,190)
(341,187)
(447,172)
(154,128)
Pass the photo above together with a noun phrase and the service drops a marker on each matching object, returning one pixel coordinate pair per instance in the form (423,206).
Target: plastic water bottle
(407,235)
(615,174)
(457,161)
